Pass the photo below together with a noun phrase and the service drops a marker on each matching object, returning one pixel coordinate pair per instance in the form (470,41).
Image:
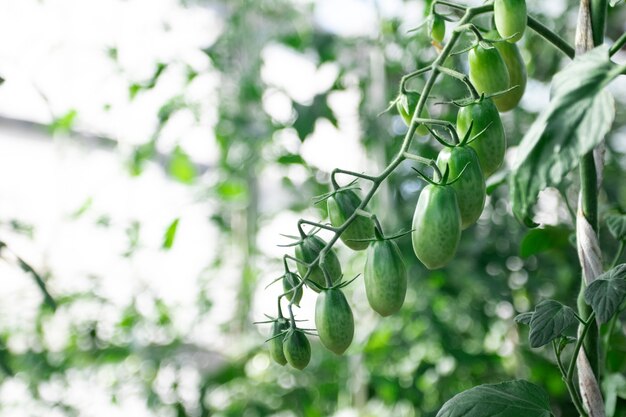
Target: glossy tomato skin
(385,277)
(511,18)
(276,344)
(436,226)
(487,70)
(340,207)
(437,26)
(290,281)
(307,251)
(406,106)
(518,75)
(297,349)
(334,320)
(490,146)
(470,188)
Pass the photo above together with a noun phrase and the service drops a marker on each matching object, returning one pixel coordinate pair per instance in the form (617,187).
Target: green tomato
(340,207)
(487,70)
(491,144)
(436,226)
(276,344)
(297,349)
(470,188)
(406,105)
(334,320)
(291,281)
(437,28)
(307,251)
(511,18)
(385,277)
(517,73)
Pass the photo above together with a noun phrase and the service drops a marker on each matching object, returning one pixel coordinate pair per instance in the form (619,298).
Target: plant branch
(551,37)
(571,388)
(470,13)
(621,41)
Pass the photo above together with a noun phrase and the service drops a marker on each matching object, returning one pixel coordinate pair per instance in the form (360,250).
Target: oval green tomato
(276,344)
(307,251)
(517,76)
(297,349)
(436,226)
(385,277)
(470,188)
(490,146)
(406,107)
(487,70)
(340,207)
(511,18)
(437,26)
(291,281)
(334,320)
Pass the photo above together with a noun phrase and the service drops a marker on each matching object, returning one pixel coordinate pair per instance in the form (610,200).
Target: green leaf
(64,124)
(550,321)
(170,234)
(232,190)
(614,3)
(290,158)
(308,115)
(544,239)
(606,293)
(524,318)
(617,225)
(181,167)
(578,118)
(511,399)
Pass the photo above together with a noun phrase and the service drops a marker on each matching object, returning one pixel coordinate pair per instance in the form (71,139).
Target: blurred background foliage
(456,329)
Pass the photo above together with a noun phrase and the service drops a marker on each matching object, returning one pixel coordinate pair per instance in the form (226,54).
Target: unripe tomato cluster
(452,201)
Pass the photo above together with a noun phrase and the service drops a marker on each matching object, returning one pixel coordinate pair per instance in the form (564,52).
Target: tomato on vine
(279,327)
(297,349)
(511,18)
(406,105)
(490,144)
(436,226)
(341,206)
(306,251)
(516,67)
(334,320)
(437,28)
(385,277)
(487,70)
(290,282)
(462,162)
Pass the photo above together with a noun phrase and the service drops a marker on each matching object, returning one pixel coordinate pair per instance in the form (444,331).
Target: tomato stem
(462,77)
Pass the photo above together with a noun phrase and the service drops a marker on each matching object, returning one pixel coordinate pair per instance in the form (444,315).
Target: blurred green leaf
(232,190)
(182,167)
(511,399)
(308,115)
(170,234)
(614,387)
(541,240)
(290,158)
(617,226)
(64,124)
(147,85)
(580,115)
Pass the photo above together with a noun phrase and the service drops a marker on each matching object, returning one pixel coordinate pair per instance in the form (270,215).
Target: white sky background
(57,49)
